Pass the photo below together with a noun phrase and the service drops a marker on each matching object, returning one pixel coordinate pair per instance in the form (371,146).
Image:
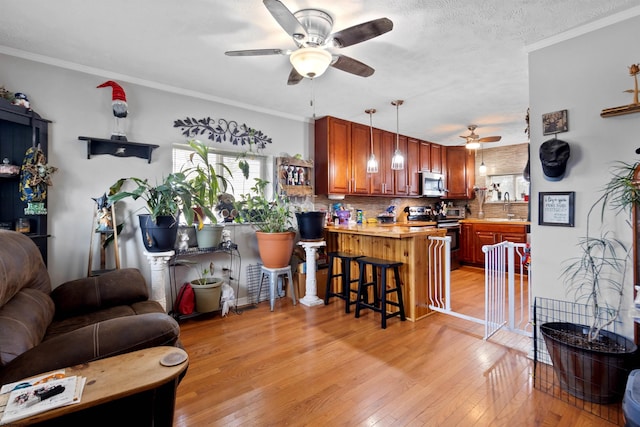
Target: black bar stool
(379,295)
(345,275)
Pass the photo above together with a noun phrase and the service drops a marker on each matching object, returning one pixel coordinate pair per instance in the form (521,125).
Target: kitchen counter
(501,221)
(395,230)
(403,242)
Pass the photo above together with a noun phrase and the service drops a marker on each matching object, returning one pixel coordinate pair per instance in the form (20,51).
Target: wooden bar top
(501,221)
(117,377)
(394,231)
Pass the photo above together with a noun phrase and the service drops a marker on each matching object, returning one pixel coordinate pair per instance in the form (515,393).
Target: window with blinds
(239,185)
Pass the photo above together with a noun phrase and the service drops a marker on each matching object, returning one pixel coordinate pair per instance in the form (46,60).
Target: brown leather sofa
(79,321)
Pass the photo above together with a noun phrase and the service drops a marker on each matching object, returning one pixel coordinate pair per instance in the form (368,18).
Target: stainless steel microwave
(432,184)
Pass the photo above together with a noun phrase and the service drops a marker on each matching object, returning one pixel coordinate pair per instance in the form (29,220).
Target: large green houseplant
(163,201)
(272,218)
(591,362)
(207,184)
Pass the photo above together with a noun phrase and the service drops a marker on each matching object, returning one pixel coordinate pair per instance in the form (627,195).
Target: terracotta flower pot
(275,248)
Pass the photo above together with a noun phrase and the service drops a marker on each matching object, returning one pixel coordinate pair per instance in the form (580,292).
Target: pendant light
(397,161)
(372,163)
(482,169)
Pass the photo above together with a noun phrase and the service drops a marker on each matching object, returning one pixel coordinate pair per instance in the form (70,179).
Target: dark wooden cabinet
(460,173)
(342,149)
(436,158)
(360,152)
(425,156)
(332,156)
(21,129)
(382,182)
(475,235)
(401,176)
(413,167)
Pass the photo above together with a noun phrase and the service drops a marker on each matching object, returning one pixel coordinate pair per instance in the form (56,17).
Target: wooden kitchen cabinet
(475,235)
(401,176)
(332,155)
(460,173)
(436,158)
(382,183)
(413,167)
(360,152)
(425,156)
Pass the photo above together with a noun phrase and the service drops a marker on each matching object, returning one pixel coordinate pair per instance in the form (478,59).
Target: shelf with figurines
(294,176)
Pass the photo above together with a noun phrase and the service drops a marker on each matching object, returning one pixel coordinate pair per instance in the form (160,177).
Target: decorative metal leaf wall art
(222,131)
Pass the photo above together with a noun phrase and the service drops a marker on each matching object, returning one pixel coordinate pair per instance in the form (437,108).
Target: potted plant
(164,201)
(272,219)
(207,185)
(591,362)
(207,290)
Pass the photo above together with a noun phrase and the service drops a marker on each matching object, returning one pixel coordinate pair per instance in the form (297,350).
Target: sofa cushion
(119,287)
(62,326)
(23,322)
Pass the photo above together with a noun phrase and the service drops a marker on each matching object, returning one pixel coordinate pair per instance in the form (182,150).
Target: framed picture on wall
(555,122)
(556,208)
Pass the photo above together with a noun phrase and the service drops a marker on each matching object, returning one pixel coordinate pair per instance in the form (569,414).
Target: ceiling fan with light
(310,30)
(474,140)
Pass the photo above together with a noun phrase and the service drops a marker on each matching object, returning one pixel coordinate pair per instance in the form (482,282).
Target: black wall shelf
(117,148)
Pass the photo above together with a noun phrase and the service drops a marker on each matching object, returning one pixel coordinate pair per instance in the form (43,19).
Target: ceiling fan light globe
(310,62)
(472,145)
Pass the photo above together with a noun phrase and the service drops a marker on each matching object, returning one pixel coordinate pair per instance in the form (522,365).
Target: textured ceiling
(454,62)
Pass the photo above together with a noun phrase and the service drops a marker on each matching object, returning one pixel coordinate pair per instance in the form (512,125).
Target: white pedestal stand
(311,292)
(158,262)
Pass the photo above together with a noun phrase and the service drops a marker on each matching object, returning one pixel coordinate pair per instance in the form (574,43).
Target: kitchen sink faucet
(507,205)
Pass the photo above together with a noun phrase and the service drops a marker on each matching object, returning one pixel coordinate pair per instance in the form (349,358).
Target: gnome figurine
(119,105)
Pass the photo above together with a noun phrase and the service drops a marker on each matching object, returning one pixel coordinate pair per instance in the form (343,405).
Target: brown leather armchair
(79,321)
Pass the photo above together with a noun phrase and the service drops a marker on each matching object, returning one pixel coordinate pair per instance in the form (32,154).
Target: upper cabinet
(332,156)
(459,172)
(342,149)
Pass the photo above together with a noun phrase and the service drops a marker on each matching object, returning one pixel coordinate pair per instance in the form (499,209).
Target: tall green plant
(207,184)
(598,275)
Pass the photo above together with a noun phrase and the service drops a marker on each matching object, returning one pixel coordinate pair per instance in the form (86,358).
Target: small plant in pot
(207,289)
(591,362)
(207,185)
(272,219)
(163,201)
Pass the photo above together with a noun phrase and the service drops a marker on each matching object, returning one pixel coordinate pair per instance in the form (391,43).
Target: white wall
(583,75)
(76,107)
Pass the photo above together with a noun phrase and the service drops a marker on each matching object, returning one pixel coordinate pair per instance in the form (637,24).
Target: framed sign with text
(556,208)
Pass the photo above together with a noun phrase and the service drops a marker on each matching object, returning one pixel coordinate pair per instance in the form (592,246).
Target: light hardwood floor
(317,366)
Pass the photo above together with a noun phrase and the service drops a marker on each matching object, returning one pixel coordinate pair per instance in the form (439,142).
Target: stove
(419,213)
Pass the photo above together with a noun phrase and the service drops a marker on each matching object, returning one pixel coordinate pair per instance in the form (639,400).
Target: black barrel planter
(159,236)
(594,375)
(311,225)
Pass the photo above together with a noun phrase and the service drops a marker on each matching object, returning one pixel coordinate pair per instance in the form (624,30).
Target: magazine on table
(26,398)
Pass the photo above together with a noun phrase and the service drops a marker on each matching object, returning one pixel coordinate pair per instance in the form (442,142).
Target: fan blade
(257,52)
(285,18)
(490,139)
(362,32)
(352,66)
(294,77)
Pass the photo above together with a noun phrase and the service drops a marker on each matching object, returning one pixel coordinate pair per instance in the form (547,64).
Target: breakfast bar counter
(400,242)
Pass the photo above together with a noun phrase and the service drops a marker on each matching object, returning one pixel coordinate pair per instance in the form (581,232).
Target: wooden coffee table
(129,375)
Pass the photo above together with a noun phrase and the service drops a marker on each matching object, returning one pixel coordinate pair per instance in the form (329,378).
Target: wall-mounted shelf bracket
(118,148)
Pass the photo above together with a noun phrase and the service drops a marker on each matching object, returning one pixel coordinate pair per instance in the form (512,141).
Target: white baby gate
(506,305)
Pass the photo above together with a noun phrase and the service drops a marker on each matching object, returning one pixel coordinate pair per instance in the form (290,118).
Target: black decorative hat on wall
(554,154)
